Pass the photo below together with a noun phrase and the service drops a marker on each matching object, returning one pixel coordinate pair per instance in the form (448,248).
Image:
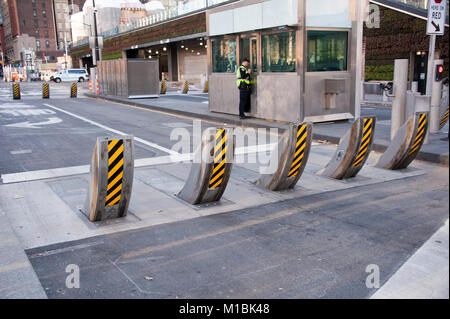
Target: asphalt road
(315,247)
(38,134)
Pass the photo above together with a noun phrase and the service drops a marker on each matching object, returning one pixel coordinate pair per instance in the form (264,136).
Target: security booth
(301,54)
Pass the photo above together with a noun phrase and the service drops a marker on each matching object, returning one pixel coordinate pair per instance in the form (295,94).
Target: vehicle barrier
(185,89)
(292,156)
(406,144)
(111,178)
(97,87)
(16,91)
(163,87)
(444,118)
(91,89)
(353,150)
(211,167)
(206,87)
(45,90)
(73,90)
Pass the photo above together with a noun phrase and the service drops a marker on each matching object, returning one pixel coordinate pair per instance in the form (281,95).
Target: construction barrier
(292,156)
(185,88)
(353,150)
(97,87)
(16,91)
(406,144)
(91,89)
(45,90)
(73,90)
(444,118)
(211,167)
(163,87)
(111,178)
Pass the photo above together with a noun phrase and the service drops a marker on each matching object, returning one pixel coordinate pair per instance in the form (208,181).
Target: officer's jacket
(243,77)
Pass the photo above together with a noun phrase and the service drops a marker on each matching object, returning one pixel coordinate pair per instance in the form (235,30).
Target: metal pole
(95,35)
(360,10)
(430,71)
(399,100)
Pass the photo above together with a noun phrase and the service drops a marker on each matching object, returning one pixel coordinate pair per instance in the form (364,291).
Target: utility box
(131,78)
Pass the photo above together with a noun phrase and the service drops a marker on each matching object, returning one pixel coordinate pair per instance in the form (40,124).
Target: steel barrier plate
(353,150)
(111,178)
(292,154)
(406,144)
(211,167)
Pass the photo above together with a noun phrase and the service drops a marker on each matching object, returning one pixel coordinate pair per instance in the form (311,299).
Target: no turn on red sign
(437,10)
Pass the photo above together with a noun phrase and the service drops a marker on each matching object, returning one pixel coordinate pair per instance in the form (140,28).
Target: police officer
(245,88)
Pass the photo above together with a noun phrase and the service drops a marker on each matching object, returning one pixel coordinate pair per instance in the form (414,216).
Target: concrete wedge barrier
(111,178)
(444,117)
(292,155)
(353,150)
(16,91)
(406,144)
(211,168)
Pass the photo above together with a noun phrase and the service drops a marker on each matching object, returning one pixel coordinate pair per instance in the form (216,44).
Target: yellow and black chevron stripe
(16,91)
(302,134)
(420,136)
(220,159)
(365,142)
(444,118)
(45,91)
(186,87)
(115,172)
(205,90)
(73,90)
(163,87)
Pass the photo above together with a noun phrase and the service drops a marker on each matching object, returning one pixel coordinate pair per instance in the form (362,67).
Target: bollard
(211,169)
(399,99)
(16,91)
(163,87)
(444,119)
(206,87)
(185,89)
(73,90)
(111,178)
(97,88)
(406,144)
(91,89)
(435,108)
(353,150)
(45,90)
(292,156)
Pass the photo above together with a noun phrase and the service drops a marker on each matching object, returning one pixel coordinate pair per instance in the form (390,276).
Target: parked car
(34,76)
(71,75)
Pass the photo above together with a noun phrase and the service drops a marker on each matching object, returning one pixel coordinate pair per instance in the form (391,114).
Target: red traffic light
(439,72)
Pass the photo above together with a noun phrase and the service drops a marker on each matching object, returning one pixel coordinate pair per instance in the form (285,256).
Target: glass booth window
(327,51)
(278,52)
(224,55)
(248,50)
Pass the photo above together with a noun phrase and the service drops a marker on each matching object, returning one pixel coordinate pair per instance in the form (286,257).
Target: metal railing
(159,16)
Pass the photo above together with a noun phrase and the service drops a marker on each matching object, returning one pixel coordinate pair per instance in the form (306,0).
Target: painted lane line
(143,162)
(137,139)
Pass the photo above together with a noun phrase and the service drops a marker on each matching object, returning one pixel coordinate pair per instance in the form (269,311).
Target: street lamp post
(96,49)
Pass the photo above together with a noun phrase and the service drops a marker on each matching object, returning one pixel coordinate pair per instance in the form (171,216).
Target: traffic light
(439,72)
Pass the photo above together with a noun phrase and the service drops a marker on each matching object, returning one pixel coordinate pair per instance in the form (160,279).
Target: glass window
(224,55)
(278,52)
(327,51)
(248,50)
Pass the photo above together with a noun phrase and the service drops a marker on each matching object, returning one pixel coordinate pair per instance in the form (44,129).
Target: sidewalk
(437,151)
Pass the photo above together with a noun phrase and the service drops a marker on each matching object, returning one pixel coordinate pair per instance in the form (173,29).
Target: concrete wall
(191,66)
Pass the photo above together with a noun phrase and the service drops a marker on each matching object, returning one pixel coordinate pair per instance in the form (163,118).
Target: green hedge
(379,73)
(112,55)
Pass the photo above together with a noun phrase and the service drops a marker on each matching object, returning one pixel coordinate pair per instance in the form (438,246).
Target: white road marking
(28,112)
(144,162)
(137,139)
(19,152)
(27,124)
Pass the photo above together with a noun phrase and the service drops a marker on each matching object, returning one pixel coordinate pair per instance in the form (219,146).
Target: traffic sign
(437,10)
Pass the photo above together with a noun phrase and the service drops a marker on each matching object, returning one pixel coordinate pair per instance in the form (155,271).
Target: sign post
(435,26)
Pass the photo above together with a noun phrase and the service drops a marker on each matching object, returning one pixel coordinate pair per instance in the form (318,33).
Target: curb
(254,123)
(442,159)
